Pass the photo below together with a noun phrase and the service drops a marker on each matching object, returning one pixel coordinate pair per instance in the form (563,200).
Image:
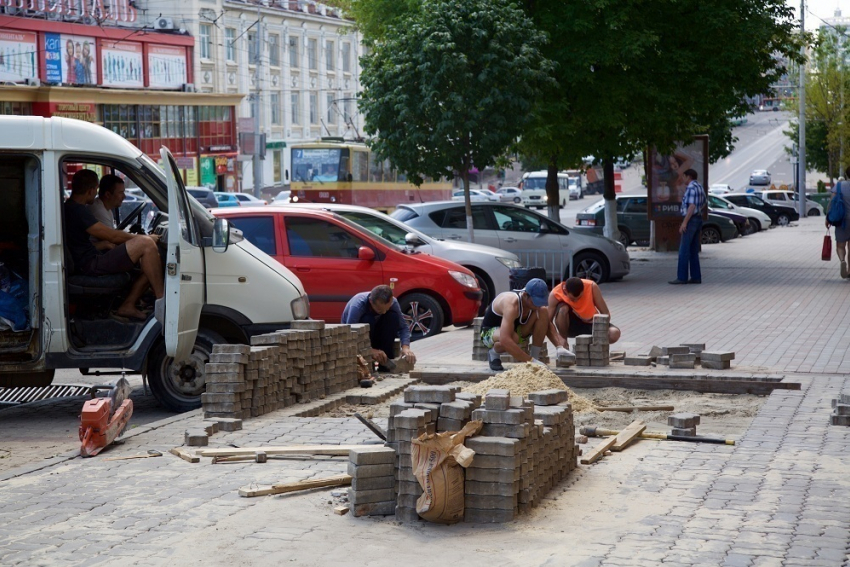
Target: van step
(16,396)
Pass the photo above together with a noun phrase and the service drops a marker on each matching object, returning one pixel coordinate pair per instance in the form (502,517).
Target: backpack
(835,214)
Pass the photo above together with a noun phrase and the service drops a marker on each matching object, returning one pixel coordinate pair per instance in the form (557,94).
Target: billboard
(121,64)
(18,60)
(70,59)
(667,182)
(166,67)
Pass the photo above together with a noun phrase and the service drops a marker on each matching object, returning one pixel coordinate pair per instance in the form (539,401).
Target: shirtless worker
(572,305)
(512,318)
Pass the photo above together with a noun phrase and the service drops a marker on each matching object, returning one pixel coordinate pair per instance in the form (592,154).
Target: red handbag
(826,254)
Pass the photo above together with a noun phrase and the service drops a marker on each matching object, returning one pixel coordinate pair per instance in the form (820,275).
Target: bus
(333,170)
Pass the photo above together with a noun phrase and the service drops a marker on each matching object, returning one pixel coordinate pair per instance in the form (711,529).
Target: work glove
(561,351)
(535,361)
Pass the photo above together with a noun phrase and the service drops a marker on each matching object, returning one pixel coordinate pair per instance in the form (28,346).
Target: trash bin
(521,276)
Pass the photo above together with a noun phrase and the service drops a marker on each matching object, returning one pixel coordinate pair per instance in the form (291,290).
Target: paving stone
(370,471)
(715,365)
(196,438)
(637,360)
(494,446)
(683,420)
(356,497)
(372,483)
(377,455)
(474,515)
(714,356)
(508,417)
(429,394)
(374,509)
(498,400)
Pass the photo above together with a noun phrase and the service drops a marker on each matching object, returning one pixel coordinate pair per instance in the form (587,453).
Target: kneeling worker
(572,305)
(512,318)
(381,310)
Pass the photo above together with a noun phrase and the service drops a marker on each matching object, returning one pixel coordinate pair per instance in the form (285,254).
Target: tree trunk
(610,229)
(467,201)
(553,190)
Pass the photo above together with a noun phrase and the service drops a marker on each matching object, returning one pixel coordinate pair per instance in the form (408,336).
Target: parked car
(475,195)
(227,199)
(780,215)
(536,239)
(282,198)
(789,198)
(742,223)
(248,200)
(760,177)
(758,220)
(510,195)
(491,266)
(633,223)
(204,196)
(719,189)
(335,259)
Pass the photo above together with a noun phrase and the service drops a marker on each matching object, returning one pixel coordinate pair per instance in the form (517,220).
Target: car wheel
(486,290)
(591,266)
(710,235)
(755,224)
(783,219)
(813,213)
(179,387)
(423,315)
(625,238)
(749,228)
(517,200)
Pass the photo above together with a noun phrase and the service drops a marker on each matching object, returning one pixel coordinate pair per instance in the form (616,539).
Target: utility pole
(801,160)
(258,68)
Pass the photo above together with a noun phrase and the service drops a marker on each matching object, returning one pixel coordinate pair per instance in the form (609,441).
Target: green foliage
(451,84)
(374,17)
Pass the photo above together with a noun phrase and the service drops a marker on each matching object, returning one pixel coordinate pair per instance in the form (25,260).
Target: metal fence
(556,263)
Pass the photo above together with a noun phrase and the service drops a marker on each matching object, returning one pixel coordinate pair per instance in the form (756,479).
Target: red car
(336,259)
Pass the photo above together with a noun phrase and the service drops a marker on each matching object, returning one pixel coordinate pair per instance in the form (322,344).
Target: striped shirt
(694,195)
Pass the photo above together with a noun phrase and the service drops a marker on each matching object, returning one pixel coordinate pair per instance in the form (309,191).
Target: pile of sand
(523,379)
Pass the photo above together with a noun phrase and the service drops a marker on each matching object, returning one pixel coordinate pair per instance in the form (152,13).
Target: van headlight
(510,263)
(300,307)
(464,279)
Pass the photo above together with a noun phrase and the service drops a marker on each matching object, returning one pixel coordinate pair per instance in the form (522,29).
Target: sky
(822,8)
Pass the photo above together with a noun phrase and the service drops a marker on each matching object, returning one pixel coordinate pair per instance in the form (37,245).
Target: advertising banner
(70,59)
(166,67)
(121,64)
(667,176)
(208,172)
(18,60)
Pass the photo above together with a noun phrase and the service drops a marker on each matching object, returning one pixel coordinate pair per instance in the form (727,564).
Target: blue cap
(538,291)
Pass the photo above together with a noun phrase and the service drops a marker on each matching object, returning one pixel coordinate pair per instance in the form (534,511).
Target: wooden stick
(628,435)
(598,451)
(287,450)
(185,455)
(634,408)
(338,480)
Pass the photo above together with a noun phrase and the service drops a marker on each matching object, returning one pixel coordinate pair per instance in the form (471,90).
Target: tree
(449,85)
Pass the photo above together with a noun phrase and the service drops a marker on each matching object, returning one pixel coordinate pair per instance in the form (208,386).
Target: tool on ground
(150,453)
(373,427)
(627,409)
(103,419)
(288,450)
(600,432)
(257,457)
(338,480)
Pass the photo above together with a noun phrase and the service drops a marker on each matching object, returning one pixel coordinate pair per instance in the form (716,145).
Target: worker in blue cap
(514,318)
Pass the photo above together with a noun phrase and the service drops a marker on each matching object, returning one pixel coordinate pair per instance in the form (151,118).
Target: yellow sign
(192,177)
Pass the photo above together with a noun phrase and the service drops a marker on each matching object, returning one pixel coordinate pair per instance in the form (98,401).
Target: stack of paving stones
(479,350)
(685,355)
(593,350)
(840,410)
(716,360)
(372,471)
(280,369)
(677,357)
(524,448)
(683,424)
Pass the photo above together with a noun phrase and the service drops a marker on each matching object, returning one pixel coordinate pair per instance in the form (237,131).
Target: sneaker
(843,269)
(695,281)
(677,282)
(496,364)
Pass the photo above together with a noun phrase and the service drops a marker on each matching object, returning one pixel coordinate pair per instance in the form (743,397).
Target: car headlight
(510,263)
(464,279)
(545,197)
(300,307)
(619,246)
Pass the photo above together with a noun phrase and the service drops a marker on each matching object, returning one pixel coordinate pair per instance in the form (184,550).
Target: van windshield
(534,183)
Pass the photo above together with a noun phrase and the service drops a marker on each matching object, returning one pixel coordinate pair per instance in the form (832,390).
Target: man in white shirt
(110,195)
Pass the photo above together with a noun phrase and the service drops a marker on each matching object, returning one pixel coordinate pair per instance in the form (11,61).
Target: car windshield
(572,181)
(316,164)
(381,227)
(403,214)
(756,200)
(595,207)
(375,236)
(718,203)
(534,183)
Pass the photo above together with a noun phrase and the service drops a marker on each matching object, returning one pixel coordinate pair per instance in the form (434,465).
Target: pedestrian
(690,230)
(512,319)
(381,310)
(572,305)
(842,231)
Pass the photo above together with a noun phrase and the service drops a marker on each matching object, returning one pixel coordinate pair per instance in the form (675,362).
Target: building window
(205,39)
(347,105)
(278,165)
(230,44)
(16,108)
(314,108)
(274,101)
(274,51)
(312,55)
(331,109)
(293,52)
(346,57)
(329,55)
(121,119)
(295,108)
(253,48)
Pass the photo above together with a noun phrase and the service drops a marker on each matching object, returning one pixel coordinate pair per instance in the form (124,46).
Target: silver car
(491,266)
(760,177)
(510,195)
(789,198)
(538,241)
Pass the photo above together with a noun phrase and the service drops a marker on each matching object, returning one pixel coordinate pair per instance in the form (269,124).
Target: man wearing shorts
(129,250)
(513,318)
(573,304)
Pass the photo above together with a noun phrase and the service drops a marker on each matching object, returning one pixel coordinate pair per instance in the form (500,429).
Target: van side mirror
(412,240)
(221,235)
(365,253)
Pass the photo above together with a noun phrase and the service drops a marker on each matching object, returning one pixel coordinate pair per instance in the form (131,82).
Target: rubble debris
(526,378)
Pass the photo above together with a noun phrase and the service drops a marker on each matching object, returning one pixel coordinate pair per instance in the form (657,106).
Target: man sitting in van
(129,249)
(110,195)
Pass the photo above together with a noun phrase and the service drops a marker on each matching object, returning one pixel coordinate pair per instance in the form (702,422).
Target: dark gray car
(204,196)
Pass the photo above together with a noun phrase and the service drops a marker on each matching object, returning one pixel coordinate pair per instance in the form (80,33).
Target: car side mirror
(412,240)
(220,235)
(365,253)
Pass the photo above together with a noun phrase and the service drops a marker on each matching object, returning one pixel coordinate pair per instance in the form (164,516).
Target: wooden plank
(628,435)
(185,455)
(283,488)
(598,451)
(628,409)
(287,450)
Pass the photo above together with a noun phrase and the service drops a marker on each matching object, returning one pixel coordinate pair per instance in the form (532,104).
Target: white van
(534,189)
(218,287)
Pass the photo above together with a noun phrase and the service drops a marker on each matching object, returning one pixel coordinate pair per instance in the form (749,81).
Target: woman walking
(842,231)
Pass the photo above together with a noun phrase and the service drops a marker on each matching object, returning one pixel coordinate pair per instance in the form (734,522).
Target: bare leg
(541,326)
(613,334)
(128,308)
(143,250)
(562,322)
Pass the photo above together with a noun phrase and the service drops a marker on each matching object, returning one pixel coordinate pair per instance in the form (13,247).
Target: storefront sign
(122,64)
(192,177)
(117,10)
(18,60)
(185,162)
(79,110)
(208,172)
(220,165)
(166,66)
(70,59)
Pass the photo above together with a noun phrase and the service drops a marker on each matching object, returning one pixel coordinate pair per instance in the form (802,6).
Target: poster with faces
(70,59)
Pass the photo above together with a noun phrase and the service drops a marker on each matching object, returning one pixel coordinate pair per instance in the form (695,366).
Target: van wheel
(423,315)
(179,388)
